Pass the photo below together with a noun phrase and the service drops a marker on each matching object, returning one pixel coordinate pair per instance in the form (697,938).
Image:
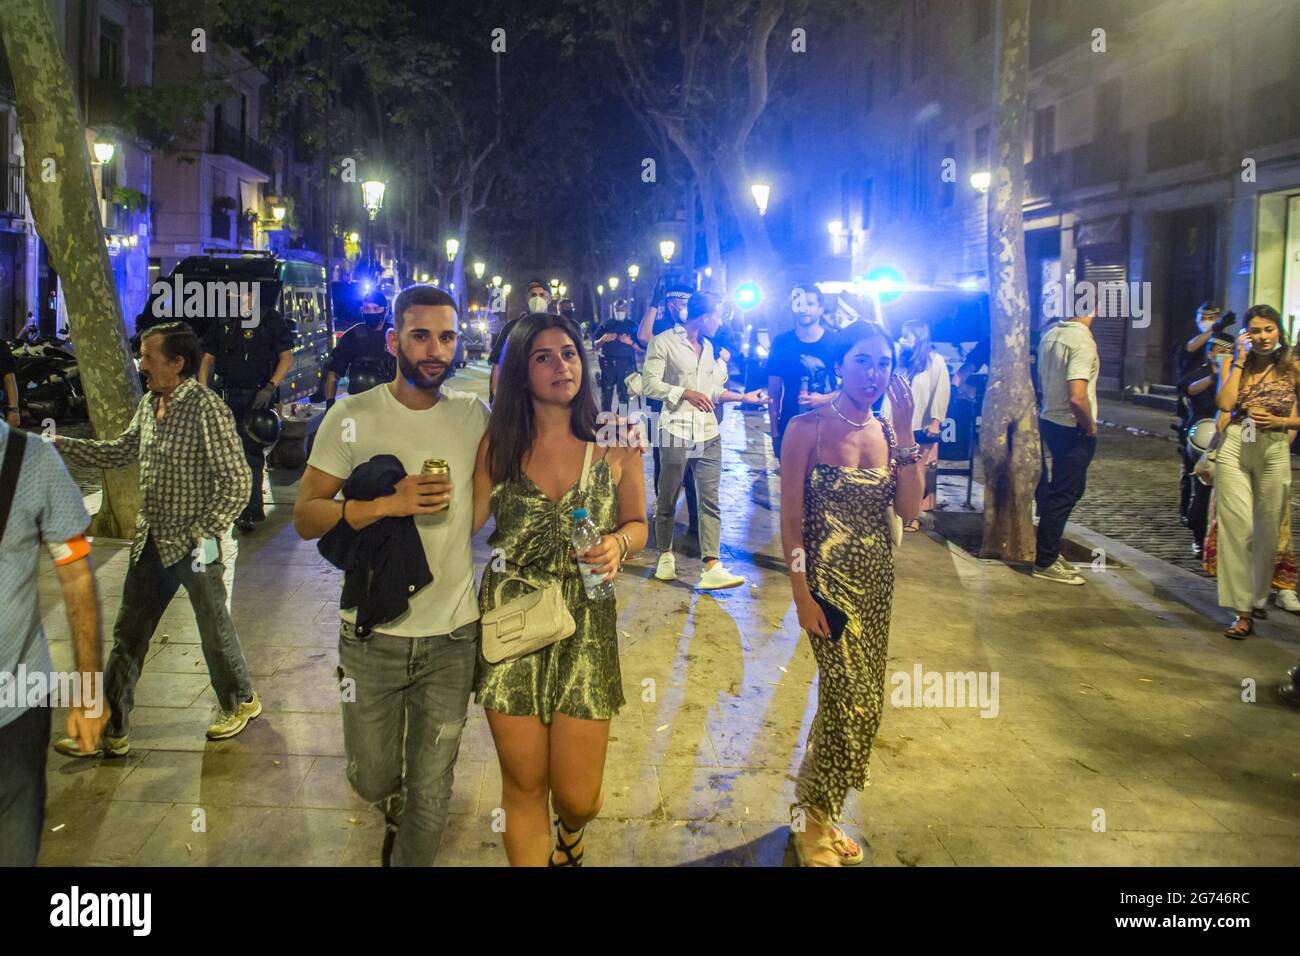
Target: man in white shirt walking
(406,681)
(681,371)
(1068,366)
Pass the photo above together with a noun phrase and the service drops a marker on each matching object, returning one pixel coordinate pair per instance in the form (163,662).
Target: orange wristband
(70,551)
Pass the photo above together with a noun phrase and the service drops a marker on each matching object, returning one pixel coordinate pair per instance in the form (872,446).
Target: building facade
(1162,150)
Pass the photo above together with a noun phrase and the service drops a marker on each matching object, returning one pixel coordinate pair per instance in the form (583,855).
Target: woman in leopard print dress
(841,470)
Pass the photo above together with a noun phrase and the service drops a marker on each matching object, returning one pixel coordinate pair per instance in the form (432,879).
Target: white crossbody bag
(531,621)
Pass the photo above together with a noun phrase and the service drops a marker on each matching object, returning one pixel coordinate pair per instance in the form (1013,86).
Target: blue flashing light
(748,295)
(888,282)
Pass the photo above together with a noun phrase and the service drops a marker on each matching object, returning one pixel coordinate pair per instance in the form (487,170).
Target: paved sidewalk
(1120,734)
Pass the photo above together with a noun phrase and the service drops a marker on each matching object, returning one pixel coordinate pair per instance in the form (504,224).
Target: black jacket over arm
(383,564)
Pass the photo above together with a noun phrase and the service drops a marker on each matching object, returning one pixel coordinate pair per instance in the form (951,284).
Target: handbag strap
(586,467)
(9,474)
(496,591)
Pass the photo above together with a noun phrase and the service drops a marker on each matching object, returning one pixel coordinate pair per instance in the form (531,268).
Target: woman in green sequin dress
(841,470)
(549,711)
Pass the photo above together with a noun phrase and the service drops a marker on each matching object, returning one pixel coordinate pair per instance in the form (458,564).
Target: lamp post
(761,193)
(103,151)
(372,197)
(633,271)
(666,250)
(600,302)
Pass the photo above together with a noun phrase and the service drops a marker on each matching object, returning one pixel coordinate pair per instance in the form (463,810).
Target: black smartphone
(836,618)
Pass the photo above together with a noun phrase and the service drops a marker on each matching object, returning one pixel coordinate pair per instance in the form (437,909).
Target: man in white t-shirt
(1068,366)
(406,682)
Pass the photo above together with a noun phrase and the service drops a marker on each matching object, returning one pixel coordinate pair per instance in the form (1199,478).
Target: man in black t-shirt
(800,367)
(615,339)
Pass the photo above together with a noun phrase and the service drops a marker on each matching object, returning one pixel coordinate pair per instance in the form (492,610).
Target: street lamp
(496,281)
(277,213)
(479,269)
(564,290)
(103,152)
(666,249)
(354,238)
(981,181)
(372,196)
(103,156)
(633,271)
(453,247)
(761,192)
(613,283)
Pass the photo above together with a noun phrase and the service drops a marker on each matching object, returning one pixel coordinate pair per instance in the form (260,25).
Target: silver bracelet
(907,456)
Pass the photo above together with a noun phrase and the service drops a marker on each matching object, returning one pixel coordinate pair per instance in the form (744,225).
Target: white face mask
(536,303)
(906,342)
(620,314)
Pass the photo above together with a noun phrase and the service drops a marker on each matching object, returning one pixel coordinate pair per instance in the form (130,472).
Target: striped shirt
(194,479)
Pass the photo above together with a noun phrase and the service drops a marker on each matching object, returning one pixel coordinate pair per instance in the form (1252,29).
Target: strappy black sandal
(567,848)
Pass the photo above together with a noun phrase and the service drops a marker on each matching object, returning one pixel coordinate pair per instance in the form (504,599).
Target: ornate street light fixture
(453,247)
(103,152)
(666,249)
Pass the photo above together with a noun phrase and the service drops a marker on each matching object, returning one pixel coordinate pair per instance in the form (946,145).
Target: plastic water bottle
(584,536)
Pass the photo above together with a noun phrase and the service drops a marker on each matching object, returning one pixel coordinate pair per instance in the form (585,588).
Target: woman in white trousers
(1252,474)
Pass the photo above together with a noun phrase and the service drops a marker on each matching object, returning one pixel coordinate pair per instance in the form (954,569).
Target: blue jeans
(148,589)
(23,746)
(404,706)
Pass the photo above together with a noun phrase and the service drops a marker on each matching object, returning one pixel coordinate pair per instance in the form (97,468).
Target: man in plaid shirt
(194,481)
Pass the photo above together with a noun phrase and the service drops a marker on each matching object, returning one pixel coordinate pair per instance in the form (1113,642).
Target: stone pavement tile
(953,797)
(476,739)
(1246,804)
(188,659)
(281,732)
(666,843)
(1128,803)
(1214,849)
(735,795)
(469,840)
(271,617)
(679,736)
(1270,758)
(249,836)
(86,778)
(885,846)
(365,840)
(1011,846)
(97,832)
(160,688)
(1262,717)
(631,793)
(975,744)
(217,779)
(306,682)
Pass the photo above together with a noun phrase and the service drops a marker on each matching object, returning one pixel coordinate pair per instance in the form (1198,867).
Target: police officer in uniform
(250,363)
(614,339)
(362,347)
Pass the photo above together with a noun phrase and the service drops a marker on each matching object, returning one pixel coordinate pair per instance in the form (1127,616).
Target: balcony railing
(13,200)
(1185,137)
(1102,161)
(229,141)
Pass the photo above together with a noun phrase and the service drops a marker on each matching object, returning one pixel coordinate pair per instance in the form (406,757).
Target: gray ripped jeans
(404,706)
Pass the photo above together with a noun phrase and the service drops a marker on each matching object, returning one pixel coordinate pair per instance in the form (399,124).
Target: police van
(204,289)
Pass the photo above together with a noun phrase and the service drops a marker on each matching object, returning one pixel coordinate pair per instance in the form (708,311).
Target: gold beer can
(436,466)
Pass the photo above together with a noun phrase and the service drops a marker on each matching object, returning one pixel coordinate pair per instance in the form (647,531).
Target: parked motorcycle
(49,382)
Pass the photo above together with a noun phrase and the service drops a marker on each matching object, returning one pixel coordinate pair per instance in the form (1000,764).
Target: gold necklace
(848,420)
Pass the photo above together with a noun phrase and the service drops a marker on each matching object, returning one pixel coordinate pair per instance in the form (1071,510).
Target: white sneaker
(667,567)
(1287,601)
(718,577)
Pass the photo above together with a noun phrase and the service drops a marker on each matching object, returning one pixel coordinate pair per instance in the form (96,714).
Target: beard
(411,372)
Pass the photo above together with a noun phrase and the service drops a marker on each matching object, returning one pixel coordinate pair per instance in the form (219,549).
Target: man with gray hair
(194,481)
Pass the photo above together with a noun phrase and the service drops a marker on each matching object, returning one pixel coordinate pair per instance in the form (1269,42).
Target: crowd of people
(402,476)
